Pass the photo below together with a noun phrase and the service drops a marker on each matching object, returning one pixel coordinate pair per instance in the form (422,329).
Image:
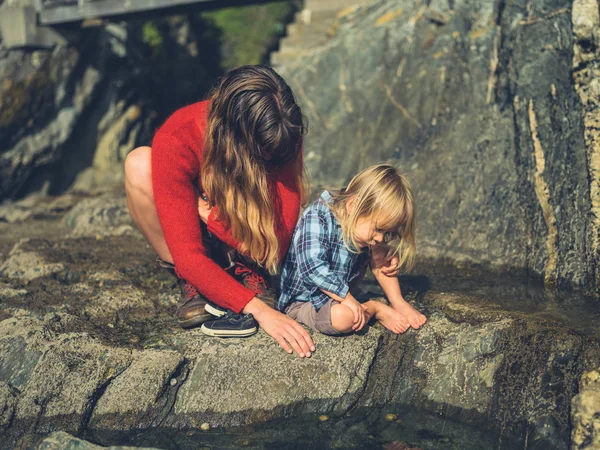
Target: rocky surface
(63,441)
(585,413)
(70,115)
(88,345)
(490,107)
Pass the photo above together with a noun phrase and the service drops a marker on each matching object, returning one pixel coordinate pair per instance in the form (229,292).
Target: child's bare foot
(412,315)
(390,318)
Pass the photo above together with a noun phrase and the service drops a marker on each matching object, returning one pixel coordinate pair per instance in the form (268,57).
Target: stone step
(279,58)
(309,30)
(309,20)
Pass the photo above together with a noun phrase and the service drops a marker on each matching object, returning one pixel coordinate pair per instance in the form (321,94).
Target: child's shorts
(305,313)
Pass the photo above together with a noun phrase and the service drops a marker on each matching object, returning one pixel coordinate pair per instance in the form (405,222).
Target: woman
(242,151)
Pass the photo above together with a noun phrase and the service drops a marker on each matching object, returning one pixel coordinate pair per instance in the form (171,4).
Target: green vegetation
(248,33)
(152,37)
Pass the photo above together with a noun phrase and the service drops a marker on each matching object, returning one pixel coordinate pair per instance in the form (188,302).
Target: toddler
(369,222)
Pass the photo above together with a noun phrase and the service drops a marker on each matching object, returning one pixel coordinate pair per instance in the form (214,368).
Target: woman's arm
(174,169)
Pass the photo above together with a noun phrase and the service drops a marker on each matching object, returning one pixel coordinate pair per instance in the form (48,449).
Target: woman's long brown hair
(254,128)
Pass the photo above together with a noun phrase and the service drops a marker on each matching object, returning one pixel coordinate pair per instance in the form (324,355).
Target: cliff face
(69,116)
(492,110)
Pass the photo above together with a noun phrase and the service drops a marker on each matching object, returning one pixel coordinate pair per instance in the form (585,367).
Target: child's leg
(306,314)
(342,318)
(389,317)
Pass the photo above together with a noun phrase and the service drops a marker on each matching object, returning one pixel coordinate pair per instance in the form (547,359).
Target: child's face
(367,233)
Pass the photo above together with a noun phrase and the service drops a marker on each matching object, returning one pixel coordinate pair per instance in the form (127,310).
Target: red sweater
(176,159)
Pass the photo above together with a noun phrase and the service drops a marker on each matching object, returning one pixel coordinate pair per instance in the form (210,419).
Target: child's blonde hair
(384,194)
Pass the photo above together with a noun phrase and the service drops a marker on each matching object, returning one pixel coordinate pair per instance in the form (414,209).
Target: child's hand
(380,262)
(390,268)
(360,312)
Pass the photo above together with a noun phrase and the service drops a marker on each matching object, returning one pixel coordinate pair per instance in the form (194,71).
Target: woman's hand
(203,209)
(286,331)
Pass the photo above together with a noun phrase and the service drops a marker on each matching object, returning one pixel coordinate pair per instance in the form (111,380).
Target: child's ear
(350,204)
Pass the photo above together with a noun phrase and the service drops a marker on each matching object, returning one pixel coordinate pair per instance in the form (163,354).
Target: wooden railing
(54,12)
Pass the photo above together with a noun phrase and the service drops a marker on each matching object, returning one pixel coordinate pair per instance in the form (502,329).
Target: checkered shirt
(318,259)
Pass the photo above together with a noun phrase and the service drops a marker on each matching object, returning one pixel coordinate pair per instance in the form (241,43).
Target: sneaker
(254,282)
(231,325)
(215,310)
(191,305)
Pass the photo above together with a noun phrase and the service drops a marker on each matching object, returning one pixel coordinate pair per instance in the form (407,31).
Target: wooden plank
(54,3)
(62,11)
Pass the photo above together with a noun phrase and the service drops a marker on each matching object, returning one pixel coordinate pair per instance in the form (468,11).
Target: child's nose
(378,238)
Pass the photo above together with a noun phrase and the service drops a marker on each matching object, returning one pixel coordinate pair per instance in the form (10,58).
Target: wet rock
(108,304)
(61,440)
(8,404)
(27,265)
(102,216)
(253,380)
(59,376)
(477,362)
(585,413)
(8,292)
(468,356)
(140,396)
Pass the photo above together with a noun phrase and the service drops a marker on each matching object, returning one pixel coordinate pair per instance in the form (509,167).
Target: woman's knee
(138,172)
(342,318)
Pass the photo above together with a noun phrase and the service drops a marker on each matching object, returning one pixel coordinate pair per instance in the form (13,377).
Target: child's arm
(390,285)
(391,288)
(312,243)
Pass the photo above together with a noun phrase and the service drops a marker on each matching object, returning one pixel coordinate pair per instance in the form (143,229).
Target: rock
(262,382)
(28,265)
(62,388)
(476,102)
(109,304)
(585,413)
(103,216)
(123,128)
(139,397)
(37,206)
(61,441)
(476,362)
(8,404)
(7,292)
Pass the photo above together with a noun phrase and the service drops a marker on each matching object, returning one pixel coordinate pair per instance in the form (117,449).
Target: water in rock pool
(509,291)
(389,428)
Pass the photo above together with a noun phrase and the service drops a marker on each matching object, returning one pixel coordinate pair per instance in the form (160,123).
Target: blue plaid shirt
(318,259)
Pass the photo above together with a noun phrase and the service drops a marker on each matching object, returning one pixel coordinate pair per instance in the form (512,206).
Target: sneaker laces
(235,316)
(254,281)
(190,290)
